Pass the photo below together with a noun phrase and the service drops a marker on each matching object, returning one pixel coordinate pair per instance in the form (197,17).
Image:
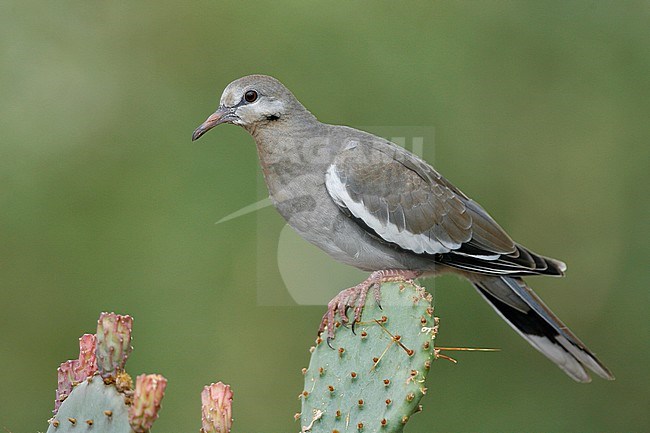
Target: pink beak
(222,115)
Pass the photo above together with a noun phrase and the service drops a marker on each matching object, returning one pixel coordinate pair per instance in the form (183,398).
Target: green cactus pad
(92,407)
(372,381)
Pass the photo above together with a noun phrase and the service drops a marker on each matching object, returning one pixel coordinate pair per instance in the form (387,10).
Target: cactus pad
(92,407)
(216,408)
(372,381)
(113,343)
(149,391)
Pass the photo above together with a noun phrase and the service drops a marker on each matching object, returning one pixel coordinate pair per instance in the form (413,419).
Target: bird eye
(250,96)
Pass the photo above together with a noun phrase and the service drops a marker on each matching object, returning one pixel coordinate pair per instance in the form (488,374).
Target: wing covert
(404,201)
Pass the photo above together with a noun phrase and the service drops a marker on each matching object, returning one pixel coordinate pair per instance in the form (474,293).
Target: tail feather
(518,305)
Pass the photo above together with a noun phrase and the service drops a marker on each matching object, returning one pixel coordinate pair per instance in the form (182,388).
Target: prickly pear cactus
(373,379)
(95,393)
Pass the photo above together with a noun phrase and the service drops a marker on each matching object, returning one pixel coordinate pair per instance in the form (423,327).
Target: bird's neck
(294,156)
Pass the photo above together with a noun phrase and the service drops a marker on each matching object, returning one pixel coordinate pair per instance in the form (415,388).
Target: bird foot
(355,297)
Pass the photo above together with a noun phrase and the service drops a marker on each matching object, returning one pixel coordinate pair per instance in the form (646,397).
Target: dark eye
(250,96)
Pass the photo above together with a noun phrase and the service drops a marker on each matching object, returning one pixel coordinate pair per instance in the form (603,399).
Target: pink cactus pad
(75,371)
(216,408)
(86,365)
(65,382)
(149,391)
(113,343)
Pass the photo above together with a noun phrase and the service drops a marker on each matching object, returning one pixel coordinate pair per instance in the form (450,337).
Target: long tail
(527,314)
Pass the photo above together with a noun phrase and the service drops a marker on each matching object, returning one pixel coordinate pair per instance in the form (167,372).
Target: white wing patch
(418,243)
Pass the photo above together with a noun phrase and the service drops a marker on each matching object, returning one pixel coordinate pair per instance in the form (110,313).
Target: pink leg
(356,297)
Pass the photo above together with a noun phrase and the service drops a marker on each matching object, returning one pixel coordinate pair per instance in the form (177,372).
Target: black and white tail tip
(518,305)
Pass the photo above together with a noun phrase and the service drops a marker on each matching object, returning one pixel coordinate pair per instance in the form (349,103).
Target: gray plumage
(371,204)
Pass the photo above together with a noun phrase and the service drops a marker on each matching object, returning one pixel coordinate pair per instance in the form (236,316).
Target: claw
(344,316)
(355,297)
(329,342)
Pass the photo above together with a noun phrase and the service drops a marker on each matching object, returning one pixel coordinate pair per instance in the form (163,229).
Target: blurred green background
(541,112)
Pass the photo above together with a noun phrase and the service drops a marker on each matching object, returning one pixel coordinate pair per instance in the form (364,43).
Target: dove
(372,204)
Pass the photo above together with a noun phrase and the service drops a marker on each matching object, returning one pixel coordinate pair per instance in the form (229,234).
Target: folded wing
(401,200)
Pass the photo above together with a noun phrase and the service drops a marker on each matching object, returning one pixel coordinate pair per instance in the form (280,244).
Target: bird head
(252,102)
